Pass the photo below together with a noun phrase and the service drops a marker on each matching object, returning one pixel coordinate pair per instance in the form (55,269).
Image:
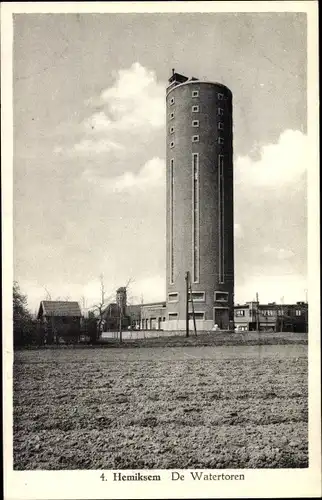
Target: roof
(111,310)
(177,77)
(59,308)
(157,304)
(171,87)
(270,305)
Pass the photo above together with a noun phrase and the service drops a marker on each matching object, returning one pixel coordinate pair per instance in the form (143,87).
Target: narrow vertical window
(195,217)
(221,228)
(171,222)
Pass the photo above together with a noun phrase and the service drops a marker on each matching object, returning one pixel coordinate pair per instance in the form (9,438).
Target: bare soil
(176,407)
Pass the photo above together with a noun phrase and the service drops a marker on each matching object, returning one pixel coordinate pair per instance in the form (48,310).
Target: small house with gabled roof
(60,319)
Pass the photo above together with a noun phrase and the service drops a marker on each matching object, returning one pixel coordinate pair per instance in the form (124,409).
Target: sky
(89,149)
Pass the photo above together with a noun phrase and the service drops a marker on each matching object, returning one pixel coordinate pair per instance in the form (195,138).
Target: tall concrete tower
(200,226)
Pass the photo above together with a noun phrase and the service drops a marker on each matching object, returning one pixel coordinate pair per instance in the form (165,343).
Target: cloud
(135,102)
(128,115)
(279,164)
(152,174)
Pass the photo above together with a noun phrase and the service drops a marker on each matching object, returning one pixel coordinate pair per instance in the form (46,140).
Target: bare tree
(99,308)
(48,296)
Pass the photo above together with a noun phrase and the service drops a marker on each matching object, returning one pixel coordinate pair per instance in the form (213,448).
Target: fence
(141,334)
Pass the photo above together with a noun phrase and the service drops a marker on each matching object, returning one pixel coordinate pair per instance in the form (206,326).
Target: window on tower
(172,144)
(220,111)
(197,296)
(197,314)
(221,221)
(221,296)
(220,96)
(195,109)
(220,140)
(171,130)
(195,123)
(195,93)
(172,115)
(173,297)
(171,101)
(171,217)
(220,126)
(195,217)
(195,138)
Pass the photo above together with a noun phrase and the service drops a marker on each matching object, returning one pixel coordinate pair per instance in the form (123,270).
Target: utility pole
(187,303)
(282,314)
(121,323)
(257,313)
(193,310)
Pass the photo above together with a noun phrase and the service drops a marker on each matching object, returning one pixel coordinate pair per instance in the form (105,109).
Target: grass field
(176,407)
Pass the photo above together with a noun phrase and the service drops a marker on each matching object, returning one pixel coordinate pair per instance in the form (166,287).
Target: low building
(60,320)
(153,316)
(272,317)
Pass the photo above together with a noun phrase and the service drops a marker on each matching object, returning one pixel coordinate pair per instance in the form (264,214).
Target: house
(61,320)
(272,317)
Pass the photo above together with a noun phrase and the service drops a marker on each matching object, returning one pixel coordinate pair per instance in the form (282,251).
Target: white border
(86,484)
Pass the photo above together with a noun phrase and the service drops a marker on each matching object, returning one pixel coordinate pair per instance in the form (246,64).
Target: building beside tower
(199,193)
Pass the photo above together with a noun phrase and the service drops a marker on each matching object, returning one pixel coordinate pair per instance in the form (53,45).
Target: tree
(99,308)
(22,320)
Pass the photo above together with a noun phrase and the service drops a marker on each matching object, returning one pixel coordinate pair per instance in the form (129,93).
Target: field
(177,407)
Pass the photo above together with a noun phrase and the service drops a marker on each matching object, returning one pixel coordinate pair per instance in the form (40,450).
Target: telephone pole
(187,303)
(193,309)
(282,314)
(120,324)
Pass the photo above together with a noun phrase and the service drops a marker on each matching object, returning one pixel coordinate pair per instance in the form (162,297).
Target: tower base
(180,325)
